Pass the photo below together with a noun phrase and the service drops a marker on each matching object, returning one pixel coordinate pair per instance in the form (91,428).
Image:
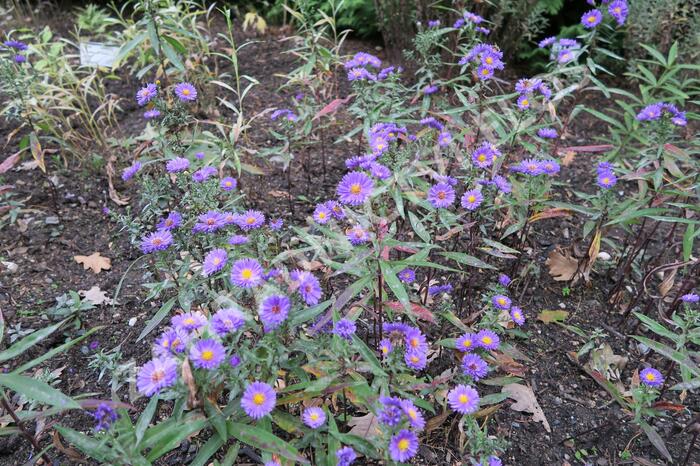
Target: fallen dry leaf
(9,162)
(568,158)
(95,262)
(525,400)
(509,365)
(366,426)
(188,378)
(96,296)
(552,316)
(562,267)
(606,362)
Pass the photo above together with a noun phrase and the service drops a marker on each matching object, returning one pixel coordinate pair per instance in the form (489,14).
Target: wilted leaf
(366,426)
(113,195)
(551,213)
(332,107)
(417,310)
(525,400)
(552,316)
(568,158)
(509,365)
(188,378)
(94,261)
(667,282)
(436,421)
(562,267)
(604,361)
(9,162)
(95,295)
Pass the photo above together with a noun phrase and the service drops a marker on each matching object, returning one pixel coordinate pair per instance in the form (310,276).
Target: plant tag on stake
(97,54)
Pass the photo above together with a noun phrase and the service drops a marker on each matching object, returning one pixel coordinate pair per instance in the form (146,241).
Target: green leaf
(27,342)
(59,349)
(37,391)
(418,227)
(145,419)
(395,285)
(656,440)
(680,358)
(207,451)
(656,327)
(606,118)
(88,445)
(368,356)
(129,46)
(160,315)
(153,36)
(173,56)
(170,436)
(466,259)
(264,440)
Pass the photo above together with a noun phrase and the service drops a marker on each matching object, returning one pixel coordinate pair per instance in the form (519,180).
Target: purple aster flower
(380,171)
(618,10)
(157,241)
(485,155)
(517,315)
(483,30)
(322,214)
(273,311)
(416,359)
(494,461)
(228,183)
(466,342)
(432,123)
(378,144)
(433,23)
(236,240)
(151,114)
(345,456)
(258,400)
(430,89)
(227,320)
(591,19)
(463,399)
(550,167)
(273,462)
(415,340)
(283,113)
(199,155)
(178,164)
(207,354)
(547,42)
(603,167)
(276,224)
(130,171)
(214,261)
(501,302)
(156,375)
(391,411)
(523,102)
(474,366)
(565,56)
(606,180)
(359,74)
(171,222)
(246,273)
(250,220)
(484,72)
(146,94)
(203,174)
(19,58)
(651,377)
(414,415)
(504,279)
(407,275)
(189,321)
(569,43)
(444,138)
(472,199)
(396,328)
(314,417)
(209,222)
(473,18)
(487,339)
(403,446)
(527,86)
(186,92)
(438,289)
(357,235)
(105,416)
(441,195)
(547,133)
(345,328)
(388,71)
(15,44)
(94,345)
(355,188)
(385,347)
(309,287)
(234,361)
(530,167)
(690,298)
(459,23)
(502,184)
(172,341)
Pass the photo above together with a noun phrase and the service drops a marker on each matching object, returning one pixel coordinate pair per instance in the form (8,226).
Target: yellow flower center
(208,355)
(501,301)
(250,220)
(606,180)
(485,71)
(355,188)
(481,158)
(412,413)
(314,416)
(464,399)
(210,221)
(467,343)
(591,19)
(526,102)
(246,274)
(275,309)
(259,399)
(166,344)
(650,376)
(414,359)
(441,195)
(216,261)
(168,222)
(489,60)
(186,92)
(157,241)
(157,375)
(414,342)
(472,198)
(229,184)
(487,340)
(189,321)
(403,444)
(321,215)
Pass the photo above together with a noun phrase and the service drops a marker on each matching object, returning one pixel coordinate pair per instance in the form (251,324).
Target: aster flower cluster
(17,47)
(660,110)
(606,178)
(563,50)
(473,19)
(283,114)
(357,67)
(527,88)
(488,58)
(617,9)
(148,96)
(533,167)
(412,340)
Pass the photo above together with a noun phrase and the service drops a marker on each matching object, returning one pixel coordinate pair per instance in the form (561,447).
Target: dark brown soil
(587,426)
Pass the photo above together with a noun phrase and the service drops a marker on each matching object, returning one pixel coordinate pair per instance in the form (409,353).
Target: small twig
(24,431)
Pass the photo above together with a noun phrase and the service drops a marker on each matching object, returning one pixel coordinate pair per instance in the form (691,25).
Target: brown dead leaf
(509,365)
(436,421)
(310,266)
(95,262)
(9,162)
(562,267)
(667,283)
(96,296)
(113,195)
(525,400)
(279,194)
(552,316)
(188,378)
(366,426)
(606,362)
(568,158)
